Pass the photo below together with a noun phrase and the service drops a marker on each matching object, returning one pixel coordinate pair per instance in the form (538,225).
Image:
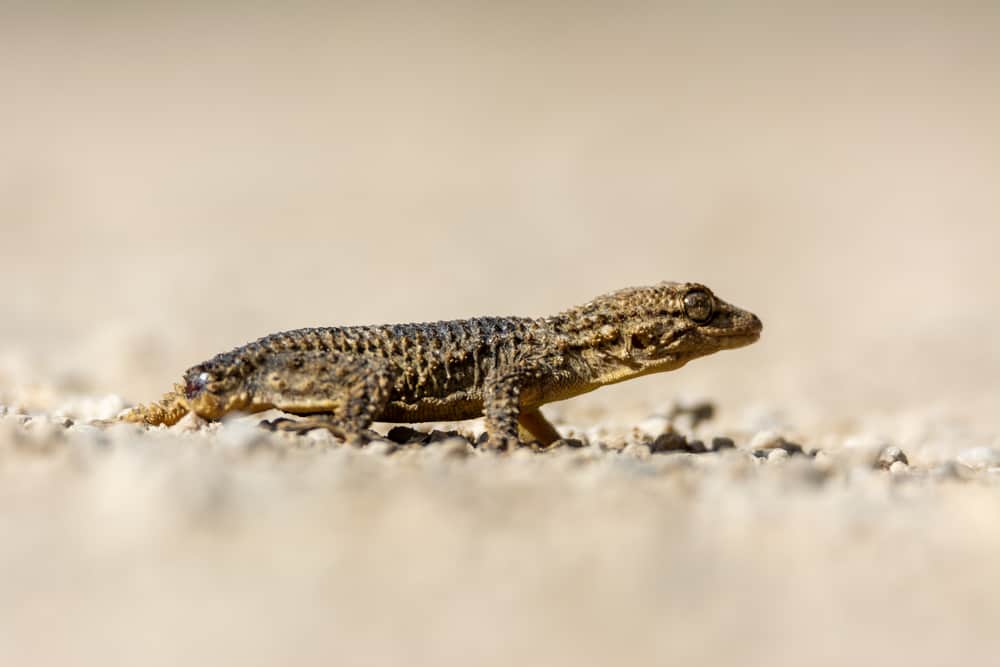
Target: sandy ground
(176,180)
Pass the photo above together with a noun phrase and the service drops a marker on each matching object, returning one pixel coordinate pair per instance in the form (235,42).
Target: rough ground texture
(254,547)
(176,180)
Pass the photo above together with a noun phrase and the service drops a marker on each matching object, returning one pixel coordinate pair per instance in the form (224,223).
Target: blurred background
(180,178)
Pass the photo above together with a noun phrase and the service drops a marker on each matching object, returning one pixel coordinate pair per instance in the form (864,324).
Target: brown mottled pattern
(505,368)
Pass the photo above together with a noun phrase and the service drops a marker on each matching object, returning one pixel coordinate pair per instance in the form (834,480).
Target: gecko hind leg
(322,421)
(342,396)
(534,423)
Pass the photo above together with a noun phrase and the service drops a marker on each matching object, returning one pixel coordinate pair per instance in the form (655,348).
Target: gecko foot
(303,426)
(498,443)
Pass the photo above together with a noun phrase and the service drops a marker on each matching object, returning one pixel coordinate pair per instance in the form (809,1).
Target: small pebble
(979,457)
(653,426)
(777,455)
(823,460)
(889,456)
(669,442)
(718,444)
(793,448)
(898,467)
(380,448)
(404,435)
(766,440)
(190,423)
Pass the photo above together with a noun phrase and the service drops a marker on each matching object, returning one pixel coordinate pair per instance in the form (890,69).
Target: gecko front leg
(502,396)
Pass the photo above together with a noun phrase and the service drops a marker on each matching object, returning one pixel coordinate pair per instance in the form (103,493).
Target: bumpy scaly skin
(503,368)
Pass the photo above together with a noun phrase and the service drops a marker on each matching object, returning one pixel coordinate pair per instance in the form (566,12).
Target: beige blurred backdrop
(179,178)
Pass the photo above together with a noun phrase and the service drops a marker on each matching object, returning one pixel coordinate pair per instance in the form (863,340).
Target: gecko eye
(699,306)
(196,384)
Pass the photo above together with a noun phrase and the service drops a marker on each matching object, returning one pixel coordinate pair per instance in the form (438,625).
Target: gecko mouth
(733,339)
(740,328)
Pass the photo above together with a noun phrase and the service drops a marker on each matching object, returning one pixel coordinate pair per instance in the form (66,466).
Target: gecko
(501,368)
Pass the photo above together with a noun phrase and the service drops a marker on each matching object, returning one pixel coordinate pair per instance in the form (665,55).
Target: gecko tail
(167,411)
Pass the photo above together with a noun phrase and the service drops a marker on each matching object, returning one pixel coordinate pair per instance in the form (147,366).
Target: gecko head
(217,386)
(643,330)
(678,322)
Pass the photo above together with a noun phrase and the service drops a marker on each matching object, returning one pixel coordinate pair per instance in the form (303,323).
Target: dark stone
(669,442)
(791,447)
(697,447)
(718,444)
(404,435)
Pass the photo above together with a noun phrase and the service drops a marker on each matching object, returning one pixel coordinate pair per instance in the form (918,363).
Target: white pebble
(823,460)
(890,456)
(898,467)
(777,455)
(378,448)
(654,426)
(190,423)
(766,440)
(979,457)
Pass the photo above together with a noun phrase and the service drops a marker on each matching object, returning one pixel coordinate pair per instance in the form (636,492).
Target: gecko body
(503,368)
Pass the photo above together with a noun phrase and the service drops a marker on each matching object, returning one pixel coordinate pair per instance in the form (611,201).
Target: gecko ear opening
(640,341)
